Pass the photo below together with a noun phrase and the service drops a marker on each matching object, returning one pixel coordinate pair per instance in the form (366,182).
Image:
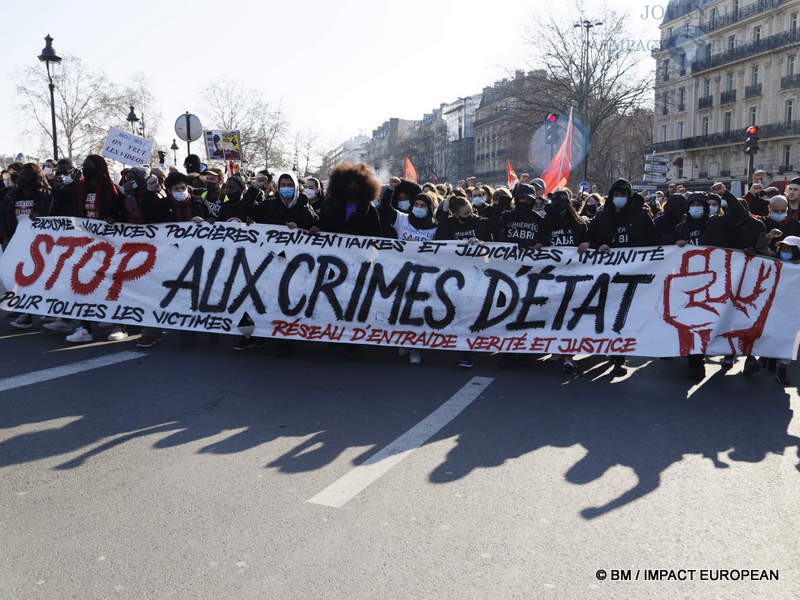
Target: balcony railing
(705,102)
(755,8)
(789,82)
(765,44)
(751,91)
(681,107)
(727,97)
(725,173)
(735,136)
(785,169)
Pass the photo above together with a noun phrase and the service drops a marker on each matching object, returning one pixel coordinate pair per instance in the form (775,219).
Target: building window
(756,33)
(664,102)
(752,115)
(787,156)
(754,75)
(730,82)
(665,68)
(727,122)
(705,126)
(706,87)
(731,42)
(788,111)
(790,65)
(663,133)
(793,23)
(679,130)
(681,96)
(682,63)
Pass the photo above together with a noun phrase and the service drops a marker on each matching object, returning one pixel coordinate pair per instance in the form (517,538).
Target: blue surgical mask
(419,212)
(286,193)
(619,201)
(713,209)
(696,212)
(777,217)
(404,205)
(66,179)
(786,255)
(477,200)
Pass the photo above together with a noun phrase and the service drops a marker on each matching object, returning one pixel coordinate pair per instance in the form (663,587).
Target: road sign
(583,186)
(188,127)
(654,178)
(652,158)
(645,188)
(649,168)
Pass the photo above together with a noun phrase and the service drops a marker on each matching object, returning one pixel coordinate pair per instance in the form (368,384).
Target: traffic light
(551,133)
(751,143)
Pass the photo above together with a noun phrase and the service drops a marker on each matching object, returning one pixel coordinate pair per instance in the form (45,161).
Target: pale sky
(338,67)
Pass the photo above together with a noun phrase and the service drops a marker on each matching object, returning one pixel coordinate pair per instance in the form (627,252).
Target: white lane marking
(9,383)
(350,485)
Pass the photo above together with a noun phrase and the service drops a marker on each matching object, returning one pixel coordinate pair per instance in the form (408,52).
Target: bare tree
(232,105)
(84,106)
(602,81)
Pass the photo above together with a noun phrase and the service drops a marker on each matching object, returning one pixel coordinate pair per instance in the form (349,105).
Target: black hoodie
(737,228)
(692,230)
(666,222)
(630,227)
(561,228)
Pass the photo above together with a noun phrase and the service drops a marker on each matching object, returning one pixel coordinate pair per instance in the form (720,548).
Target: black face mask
(590,209)
(212,187)
(89,171)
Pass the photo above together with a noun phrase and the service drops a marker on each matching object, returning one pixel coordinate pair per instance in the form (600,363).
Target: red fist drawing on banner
(705,297)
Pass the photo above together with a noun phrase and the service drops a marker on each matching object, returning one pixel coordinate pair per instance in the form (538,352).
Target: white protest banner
(659,301)
(127,148)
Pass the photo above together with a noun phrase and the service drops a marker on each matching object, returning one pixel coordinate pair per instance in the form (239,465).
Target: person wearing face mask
(286,208)
(481,199)
(214,195)
(98,198)
(692,227)
(622,224)
(135,188)
(563,227)
(591,206)
(419,224)
(29,199)
(65,189)
(240,200)
(520,225)
(464,225)
(777,217)
(714,205)
(314,192)
(400,197)
(49,170)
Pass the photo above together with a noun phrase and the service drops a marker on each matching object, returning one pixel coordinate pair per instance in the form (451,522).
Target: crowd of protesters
(763,222)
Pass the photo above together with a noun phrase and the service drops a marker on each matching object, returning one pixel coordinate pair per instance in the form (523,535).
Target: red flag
(409,172)
(511,176)
(556,174)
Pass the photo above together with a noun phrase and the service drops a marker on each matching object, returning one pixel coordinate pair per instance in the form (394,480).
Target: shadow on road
(245,401)
(646,422)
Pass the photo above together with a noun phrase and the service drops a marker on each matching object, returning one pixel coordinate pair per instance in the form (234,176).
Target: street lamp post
(48,56)
(583,98)
(132,118)
(174,149)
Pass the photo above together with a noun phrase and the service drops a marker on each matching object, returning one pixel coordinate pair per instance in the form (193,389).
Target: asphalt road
(203,473)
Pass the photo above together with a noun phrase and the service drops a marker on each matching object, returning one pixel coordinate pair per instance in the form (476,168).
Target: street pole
(188,136)
(53,113)
(749,171)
